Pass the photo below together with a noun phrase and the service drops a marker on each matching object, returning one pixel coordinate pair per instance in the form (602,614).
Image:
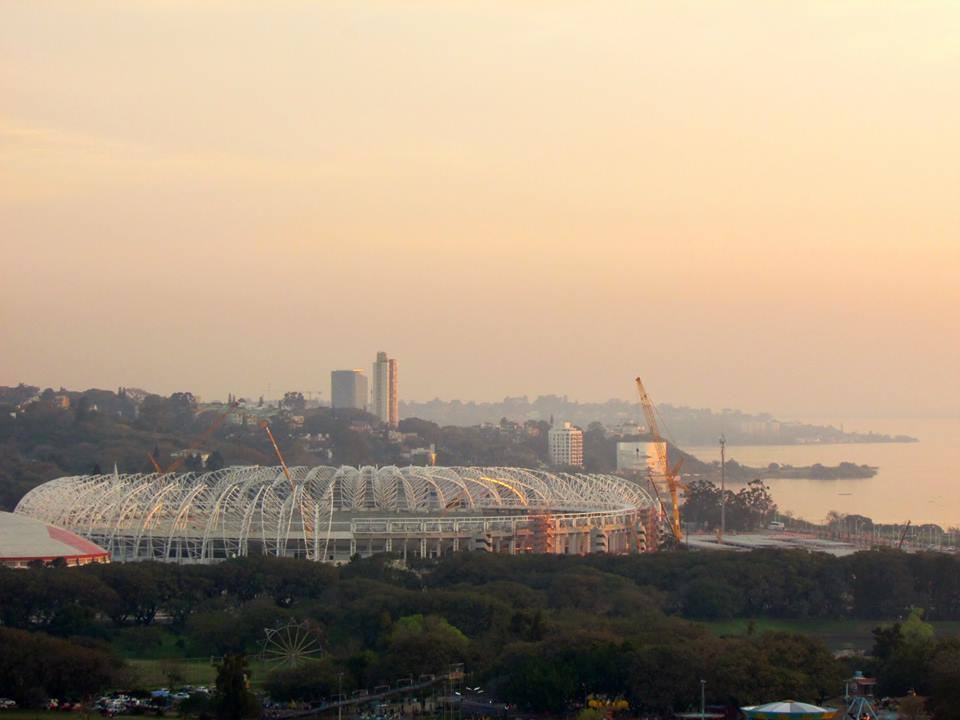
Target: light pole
(340,696)
(723,485)
(703,698)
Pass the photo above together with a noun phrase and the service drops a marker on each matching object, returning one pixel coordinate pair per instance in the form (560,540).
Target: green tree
(309,681)
(294,402)
(34,666)
(944,701)
(424,644)
(906,652)
(233,699)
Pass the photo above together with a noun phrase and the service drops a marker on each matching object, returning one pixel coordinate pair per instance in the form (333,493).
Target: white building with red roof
(24,540)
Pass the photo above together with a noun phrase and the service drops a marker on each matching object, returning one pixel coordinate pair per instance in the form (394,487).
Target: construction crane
(903,535)
(156,465)
(202,440)
(308,525)
(670,476)
(276,448)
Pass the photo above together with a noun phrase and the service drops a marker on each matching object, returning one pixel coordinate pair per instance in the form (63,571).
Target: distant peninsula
(694,468)
(686,426)
(775,471)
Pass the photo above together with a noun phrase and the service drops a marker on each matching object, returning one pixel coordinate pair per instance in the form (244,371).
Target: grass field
(52,714)
(836,634)
(192,671)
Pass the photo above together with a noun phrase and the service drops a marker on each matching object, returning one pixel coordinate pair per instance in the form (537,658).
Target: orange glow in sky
(752,204)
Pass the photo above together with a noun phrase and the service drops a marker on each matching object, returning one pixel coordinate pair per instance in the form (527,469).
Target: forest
(538,631)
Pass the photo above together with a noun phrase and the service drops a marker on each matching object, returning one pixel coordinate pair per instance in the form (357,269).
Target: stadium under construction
(332,514)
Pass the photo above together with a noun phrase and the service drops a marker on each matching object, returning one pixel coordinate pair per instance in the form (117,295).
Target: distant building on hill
(348,389)
(566,445)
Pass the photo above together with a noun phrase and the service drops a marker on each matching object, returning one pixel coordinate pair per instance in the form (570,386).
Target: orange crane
(207,434)
(308,526)
(202,440)
(156,465)
(670,476)
(276,448)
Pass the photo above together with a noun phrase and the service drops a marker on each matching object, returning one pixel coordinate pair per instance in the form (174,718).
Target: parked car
(7,704)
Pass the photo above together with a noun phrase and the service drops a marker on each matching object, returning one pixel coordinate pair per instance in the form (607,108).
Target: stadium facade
(330,514)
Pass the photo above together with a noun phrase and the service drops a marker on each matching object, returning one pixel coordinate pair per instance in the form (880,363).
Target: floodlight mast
(723,489)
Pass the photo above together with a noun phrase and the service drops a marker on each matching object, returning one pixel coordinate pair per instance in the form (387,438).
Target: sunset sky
(752,204)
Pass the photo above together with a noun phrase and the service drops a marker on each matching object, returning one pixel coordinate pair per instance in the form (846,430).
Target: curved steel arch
(198,517)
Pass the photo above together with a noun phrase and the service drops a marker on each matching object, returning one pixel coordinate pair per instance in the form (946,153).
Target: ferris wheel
(290,645)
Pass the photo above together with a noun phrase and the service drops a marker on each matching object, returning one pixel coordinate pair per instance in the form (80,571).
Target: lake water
(914,481)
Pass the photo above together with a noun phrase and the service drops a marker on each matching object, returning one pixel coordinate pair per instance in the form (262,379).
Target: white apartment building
(566,445)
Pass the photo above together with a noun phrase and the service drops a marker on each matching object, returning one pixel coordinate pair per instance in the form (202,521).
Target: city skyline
(750,205)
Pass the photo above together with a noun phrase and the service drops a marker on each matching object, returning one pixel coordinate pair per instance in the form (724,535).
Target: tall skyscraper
(348,389)
(380,399)
(385,401)
(394,414)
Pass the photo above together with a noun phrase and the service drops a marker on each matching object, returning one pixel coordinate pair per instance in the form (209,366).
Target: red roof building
(24,540)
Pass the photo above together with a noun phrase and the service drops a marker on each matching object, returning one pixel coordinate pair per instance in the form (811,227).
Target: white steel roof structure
(325,511)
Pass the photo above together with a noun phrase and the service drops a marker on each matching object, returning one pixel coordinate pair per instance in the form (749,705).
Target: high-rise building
(380,397)
(394,411)
(348,389)
(566,445)
(384,401)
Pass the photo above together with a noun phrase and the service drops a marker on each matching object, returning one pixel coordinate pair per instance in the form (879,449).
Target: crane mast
(670,475)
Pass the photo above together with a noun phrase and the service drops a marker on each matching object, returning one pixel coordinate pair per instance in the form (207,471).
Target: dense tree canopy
(538,630)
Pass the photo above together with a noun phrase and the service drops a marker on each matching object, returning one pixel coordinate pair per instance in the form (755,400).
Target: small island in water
(843,471)
(737,473)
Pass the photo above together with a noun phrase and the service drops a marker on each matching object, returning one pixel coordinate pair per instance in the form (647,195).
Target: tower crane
(670,476)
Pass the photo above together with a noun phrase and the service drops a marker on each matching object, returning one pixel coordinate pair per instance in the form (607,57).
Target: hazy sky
(752,204)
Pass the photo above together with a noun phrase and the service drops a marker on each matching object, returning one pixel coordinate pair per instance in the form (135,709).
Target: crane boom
(204,438)
(903,535)
(276,448)
(670,475)
(648,412)
(308,523)
(156,465)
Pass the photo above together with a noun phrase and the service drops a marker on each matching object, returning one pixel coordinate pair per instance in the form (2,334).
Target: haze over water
(915,481)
